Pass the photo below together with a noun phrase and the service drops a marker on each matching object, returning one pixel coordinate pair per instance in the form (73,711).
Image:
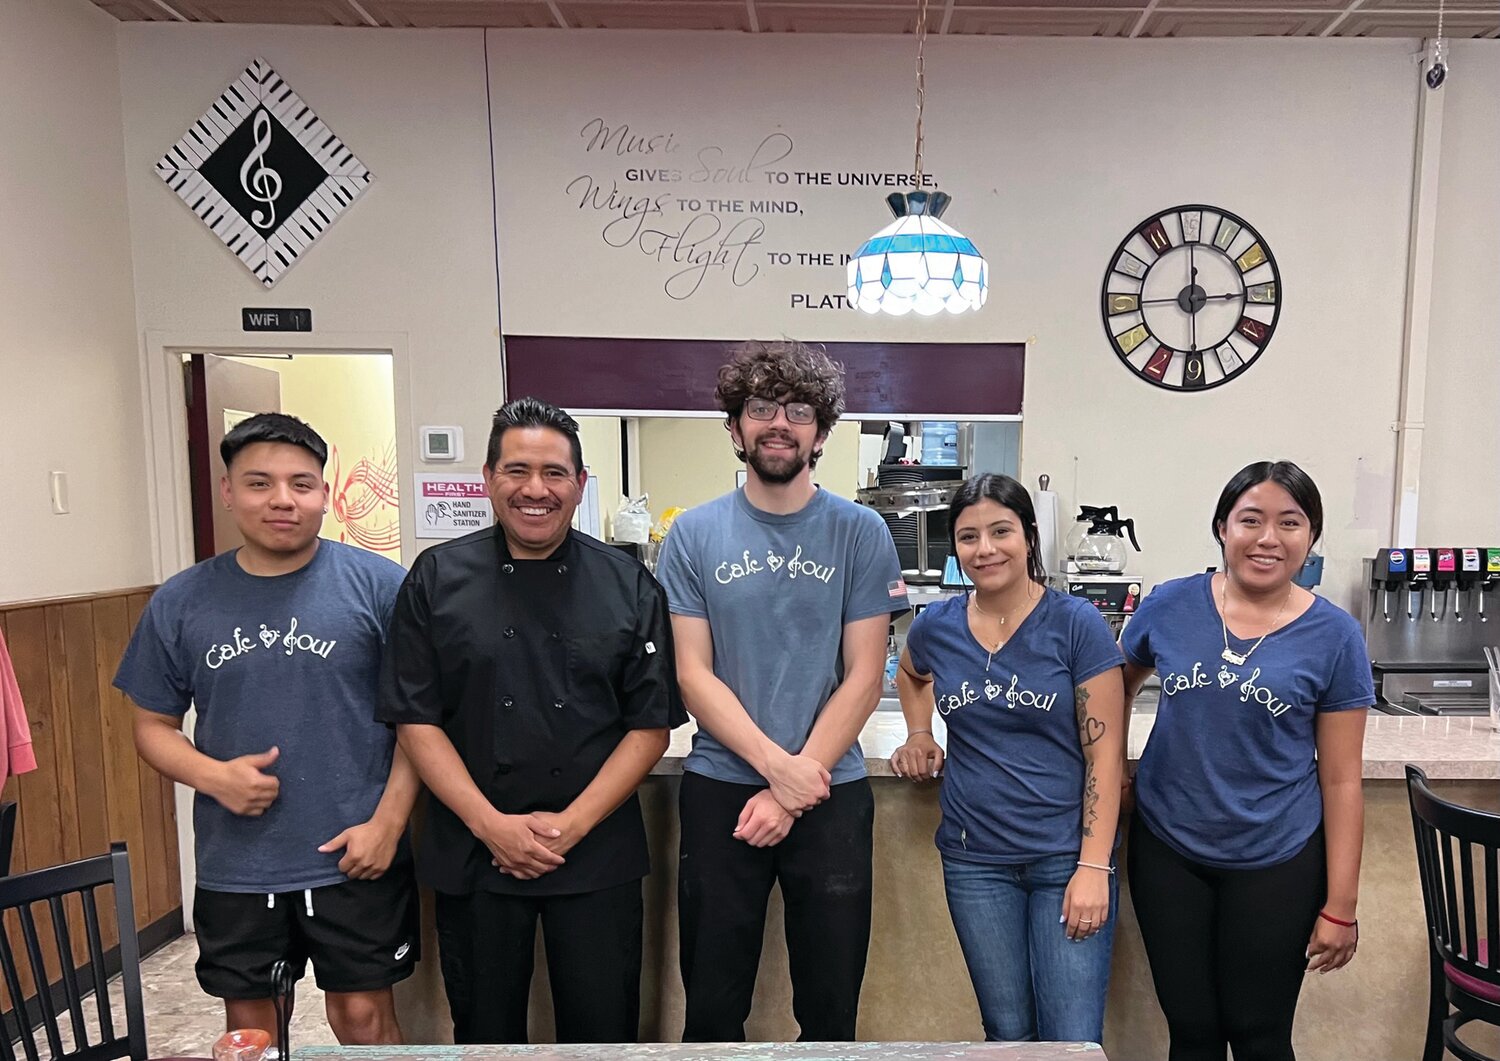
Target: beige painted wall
(1460,486)
(1049,171)
(349,399)
(69,384)
(685,462)
(414,256)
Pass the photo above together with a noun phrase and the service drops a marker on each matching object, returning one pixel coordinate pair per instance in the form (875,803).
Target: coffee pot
(1102,549)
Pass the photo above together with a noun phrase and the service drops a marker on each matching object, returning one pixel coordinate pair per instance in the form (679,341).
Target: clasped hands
(797,784)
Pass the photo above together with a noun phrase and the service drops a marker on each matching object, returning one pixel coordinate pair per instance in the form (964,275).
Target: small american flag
(896,588)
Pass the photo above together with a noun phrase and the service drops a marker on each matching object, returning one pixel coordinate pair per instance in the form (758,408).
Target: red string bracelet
(1338,921)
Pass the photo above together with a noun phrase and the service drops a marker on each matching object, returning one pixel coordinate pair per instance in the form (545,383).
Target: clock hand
(1207,298)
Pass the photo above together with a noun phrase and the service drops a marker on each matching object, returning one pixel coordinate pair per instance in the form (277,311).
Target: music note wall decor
(263,172)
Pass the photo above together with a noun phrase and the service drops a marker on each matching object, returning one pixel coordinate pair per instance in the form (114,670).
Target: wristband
(914,732)
(1094,865)
(1338,921)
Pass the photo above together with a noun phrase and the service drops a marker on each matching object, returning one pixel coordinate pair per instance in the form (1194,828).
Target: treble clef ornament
(261,182)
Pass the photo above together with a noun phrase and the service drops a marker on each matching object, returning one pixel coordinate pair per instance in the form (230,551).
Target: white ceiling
(1073,18)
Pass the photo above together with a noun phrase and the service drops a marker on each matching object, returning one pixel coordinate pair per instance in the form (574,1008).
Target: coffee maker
(1427,619)
(1096,565)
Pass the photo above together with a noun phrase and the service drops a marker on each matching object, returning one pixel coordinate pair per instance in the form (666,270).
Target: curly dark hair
(783,371)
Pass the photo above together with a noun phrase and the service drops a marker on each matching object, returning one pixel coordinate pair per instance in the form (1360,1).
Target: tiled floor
(181,1021)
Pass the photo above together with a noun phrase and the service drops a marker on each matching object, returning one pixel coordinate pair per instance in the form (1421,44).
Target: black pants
(593,942)
(824,867)
(1228,948)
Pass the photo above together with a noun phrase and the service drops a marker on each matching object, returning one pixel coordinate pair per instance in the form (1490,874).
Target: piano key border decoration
(270,254)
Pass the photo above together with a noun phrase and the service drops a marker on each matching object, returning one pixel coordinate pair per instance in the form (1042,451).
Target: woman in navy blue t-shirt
(1244,852)
(1028,682)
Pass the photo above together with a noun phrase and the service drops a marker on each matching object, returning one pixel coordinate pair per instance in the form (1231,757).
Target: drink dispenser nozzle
(1421,575)
(1491,563)
(1391,571)
(1469,579)
(1444,574)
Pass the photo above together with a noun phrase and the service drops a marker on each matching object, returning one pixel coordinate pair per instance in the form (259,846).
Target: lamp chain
(921,82)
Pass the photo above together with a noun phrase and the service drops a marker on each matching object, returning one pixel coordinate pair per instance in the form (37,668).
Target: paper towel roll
(1045,502)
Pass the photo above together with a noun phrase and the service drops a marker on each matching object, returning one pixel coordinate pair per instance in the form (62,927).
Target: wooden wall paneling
(167,793)
(89,787)
(122,785)
(67,789)
(88,734)
(44,845)
(149,868)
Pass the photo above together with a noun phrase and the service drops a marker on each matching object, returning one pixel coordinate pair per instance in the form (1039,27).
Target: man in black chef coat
(530,674)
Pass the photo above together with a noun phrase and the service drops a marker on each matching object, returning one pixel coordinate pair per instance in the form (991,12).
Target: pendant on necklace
(1226,677)
(1231,656)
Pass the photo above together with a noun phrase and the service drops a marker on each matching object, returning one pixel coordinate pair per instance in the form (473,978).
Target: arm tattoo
(1090,798)
(1090,729)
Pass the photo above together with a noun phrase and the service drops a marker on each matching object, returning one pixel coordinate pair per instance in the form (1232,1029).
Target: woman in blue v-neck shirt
(1244,852)
(1028,682)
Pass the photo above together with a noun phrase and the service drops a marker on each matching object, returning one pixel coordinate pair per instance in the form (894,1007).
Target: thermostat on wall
(442,443)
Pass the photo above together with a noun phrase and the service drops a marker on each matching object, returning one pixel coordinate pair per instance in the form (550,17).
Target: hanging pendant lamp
(918,263)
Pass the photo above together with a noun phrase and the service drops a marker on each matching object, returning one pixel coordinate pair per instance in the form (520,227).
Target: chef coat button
(562,569)
(557,704)
(557,771)
(507,702)
(508,568)
(556,636)
(510,631)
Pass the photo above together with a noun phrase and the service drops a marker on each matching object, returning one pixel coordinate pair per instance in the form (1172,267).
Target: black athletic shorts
(362,935)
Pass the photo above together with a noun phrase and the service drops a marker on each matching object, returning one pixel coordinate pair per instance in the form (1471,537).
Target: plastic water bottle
(892,660)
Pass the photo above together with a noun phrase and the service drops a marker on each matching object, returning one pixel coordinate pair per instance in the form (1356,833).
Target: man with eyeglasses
(781,594)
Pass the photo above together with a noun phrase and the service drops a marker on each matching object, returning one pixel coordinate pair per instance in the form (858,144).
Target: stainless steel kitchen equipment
(1427,621)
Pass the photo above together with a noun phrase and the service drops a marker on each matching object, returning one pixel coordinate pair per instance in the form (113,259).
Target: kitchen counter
(1462,748)
(916,985)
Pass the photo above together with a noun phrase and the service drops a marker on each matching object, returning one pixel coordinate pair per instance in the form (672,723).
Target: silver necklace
(1229,655)
(990,657)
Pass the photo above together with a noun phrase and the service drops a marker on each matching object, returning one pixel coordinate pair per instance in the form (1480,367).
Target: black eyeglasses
(765,409)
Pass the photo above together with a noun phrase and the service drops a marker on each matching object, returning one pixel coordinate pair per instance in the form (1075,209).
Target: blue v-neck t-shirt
(1012,788)
(1229,776)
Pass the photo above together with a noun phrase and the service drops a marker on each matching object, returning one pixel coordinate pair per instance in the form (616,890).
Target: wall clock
(1191,297)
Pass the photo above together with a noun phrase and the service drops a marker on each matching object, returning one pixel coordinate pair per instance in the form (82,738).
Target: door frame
(169,480)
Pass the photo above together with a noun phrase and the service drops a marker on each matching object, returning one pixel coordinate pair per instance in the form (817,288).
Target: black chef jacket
(535,669)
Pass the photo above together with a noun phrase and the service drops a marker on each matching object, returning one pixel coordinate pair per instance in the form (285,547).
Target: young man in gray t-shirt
(301,797)
(781,595)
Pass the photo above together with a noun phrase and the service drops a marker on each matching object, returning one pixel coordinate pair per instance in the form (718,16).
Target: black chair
(1456,857)
(7,834)
(50,886)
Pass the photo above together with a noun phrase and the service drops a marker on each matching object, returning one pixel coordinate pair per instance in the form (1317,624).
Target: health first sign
(450,506)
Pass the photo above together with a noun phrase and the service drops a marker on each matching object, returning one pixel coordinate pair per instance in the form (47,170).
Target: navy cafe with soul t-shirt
(1012,788)
(1229,777)
(290,661)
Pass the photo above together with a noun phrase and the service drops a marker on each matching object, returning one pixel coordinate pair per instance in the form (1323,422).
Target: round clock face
(1191,297)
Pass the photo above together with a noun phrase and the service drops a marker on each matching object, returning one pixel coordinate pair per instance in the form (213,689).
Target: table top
(712,1052)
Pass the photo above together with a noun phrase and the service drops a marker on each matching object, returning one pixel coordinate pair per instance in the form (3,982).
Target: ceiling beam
(179,16)
(1140,23)
(362,13)
(1354,6)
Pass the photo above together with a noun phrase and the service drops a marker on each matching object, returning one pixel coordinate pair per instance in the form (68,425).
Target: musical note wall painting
(263,172)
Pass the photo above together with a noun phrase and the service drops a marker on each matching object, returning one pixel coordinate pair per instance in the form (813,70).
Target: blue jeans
(1031,980)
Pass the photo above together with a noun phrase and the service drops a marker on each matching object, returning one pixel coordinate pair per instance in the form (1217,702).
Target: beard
(776,468)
